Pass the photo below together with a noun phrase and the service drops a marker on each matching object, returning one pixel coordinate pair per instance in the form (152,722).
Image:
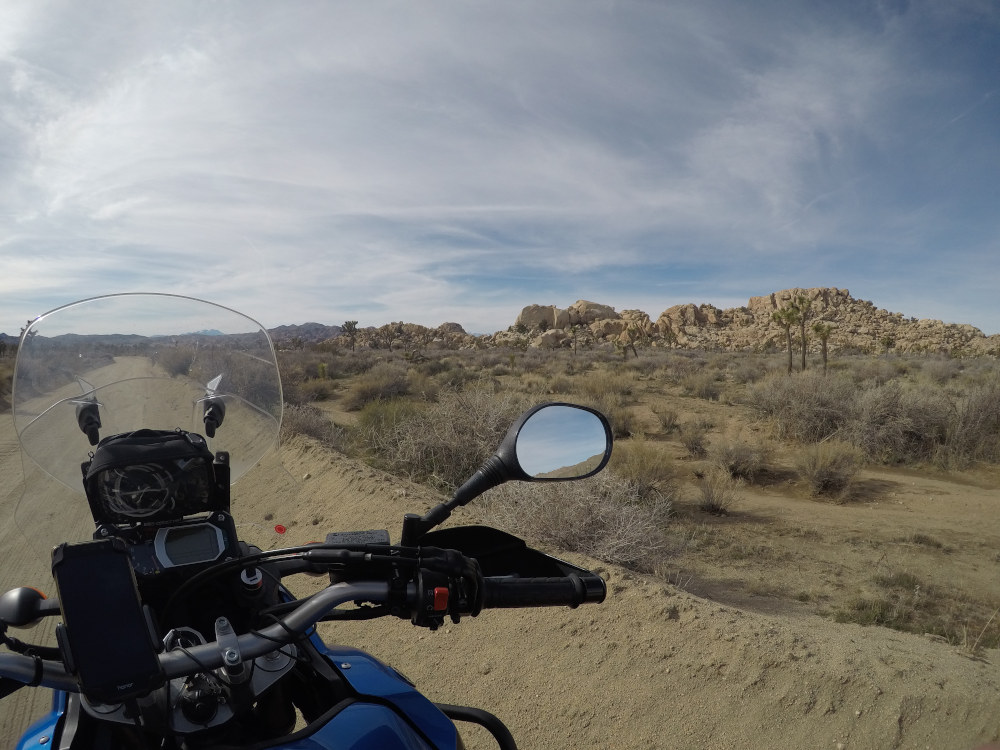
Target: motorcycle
(173,631)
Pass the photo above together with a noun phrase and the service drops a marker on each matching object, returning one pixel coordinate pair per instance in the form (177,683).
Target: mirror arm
(492,473)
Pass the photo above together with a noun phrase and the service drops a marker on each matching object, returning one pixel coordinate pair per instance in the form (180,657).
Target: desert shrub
(441,443)
(6,381)
(694,438)
(717,492)
(603,517)
(607,388)
(746,370)
(533,383)
(893,424)
(974,431)
(315,390)
(382,382)
(648,470)
(904,603)
(739,458)
(431,367)
(456,376)
(829,469)
(560,384)
(877,371)
(359,362)
(683,364)
(644,366)
(704,385)
(667,419)
(422,386)
(300,419)
(807,406)
(621,418)
(940,370)
(176,360)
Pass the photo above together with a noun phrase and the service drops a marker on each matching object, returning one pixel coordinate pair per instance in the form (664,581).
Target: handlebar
(497,592)
(572,591)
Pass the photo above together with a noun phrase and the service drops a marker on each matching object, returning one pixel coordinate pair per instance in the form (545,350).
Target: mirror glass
(561,442)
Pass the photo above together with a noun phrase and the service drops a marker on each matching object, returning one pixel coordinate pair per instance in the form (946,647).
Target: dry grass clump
(806,407)
(940,370)
(902,601)
(667,419)
(442,443)
(740,458)
(876,371)
(646,468)
(608,388)
(748,370)
(301,419)
(704,385)
(717,493)
(829,469)
(621,418)
(382,382)
(694,438)
(310,390)
(603,517)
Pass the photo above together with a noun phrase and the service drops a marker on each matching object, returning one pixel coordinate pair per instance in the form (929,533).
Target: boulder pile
(855,325)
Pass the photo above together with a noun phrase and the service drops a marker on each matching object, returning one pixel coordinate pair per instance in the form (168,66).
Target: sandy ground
(653,666)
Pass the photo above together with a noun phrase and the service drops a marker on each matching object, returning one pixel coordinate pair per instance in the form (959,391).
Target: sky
(457,160)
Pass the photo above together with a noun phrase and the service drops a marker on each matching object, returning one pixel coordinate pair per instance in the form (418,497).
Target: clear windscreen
(147,361)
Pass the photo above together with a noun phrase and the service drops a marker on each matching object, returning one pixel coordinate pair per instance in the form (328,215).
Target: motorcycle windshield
(140,361)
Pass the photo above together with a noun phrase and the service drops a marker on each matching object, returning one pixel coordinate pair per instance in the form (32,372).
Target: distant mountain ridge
(307,333)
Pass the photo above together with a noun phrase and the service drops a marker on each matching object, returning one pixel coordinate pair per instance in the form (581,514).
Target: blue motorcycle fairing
(370,677)
(40,733)
(364,726)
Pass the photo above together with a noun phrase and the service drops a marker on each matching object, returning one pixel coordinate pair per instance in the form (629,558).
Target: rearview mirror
(562,442)
(550,443)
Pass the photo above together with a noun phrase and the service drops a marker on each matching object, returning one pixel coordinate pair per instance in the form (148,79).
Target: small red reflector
(440,599)
(280,529)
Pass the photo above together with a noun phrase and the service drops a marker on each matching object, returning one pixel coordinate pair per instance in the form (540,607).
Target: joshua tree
(580,333)
(823,331)
(350,329)
(802,305)
(786,317)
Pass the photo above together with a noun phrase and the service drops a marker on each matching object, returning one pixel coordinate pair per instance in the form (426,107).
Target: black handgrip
(572,590)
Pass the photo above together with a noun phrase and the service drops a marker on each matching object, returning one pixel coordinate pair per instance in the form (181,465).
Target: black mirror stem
(489,475)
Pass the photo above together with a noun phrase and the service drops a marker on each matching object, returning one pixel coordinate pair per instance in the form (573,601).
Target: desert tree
(581,334)
(786,317)
(350,329)
(823,331)
(802,305)
(634,334)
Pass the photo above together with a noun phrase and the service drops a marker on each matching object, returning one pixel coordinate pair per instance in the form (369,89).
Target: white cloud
(393,160)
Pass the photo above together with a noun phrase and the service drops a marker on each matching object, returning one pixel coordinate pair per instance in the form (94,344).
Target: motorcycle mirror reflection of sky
(386,161)
(561,441)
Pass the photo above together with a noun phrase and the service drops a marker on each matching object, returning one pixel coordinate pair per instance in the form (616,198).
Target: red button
(440,599)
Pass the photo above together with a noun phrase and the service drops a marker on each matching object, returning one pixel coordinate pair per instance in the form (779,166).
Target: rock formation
(858,326)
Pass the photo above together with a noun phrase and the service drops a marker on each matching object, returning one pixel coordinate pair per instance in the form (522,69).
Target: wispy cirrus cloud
(384,161)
